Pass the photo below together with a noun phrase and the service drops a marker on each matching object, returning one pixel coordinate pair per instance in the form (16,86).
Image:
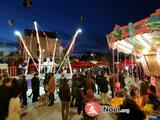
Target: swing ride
(49,64)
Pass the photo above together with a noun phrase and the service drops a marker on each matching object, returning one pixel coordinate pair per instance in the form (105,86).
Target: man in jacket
(51,89)
(24,88)
(104,90)
(65,96)
(35,87)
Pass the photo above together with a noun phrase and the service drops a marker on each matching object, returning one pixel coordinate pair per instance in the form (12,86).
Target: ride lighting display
(139,38)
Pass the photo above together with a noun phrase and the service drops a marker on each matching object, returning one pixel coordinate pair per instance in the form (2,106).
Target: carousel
(140,41)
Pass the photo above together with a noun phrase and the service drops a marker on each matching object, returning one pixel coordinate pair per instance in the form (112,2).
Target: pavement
(36,112)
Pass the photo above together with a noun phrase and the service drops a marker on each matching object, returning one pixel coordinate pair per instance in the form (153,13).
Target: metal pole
(69,49)
(39,45)
(113,71)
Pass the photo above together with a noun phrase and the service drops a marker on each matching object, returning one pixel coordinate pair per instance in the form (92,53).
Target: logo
(92,109)
(110,109)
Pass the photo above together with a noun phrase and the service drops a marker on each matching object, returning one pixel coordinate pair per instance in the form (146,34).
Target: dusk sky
(63,17)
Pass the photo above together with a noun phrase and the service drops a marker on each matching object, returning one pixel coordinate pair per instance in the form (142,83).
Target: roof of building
(28,32)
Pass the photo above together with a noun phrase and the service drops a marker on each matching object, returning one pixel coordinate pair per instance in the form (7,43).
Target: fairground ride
(141,40)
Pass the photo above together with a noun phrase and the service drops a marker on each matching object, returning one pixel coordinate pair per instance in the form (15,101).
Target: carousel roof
(137,37)
(142,39)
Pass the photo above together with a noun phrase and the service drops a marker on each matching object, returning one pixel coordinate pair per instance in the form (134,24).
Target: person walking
(98,80)
(35,87)
(74,90)
(65,96)
(4,98)
(51,89)
(88,84)
(104,90)
(62,79)
(24,88)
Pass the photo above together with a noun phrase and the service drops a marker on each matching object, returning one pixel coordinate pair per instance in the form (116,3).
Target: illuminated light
(70,67)
(35,22)
(40,49)
(79,30)
(70,47)
(114,45)
(158,58)
(56,39)
(145,51)
(126,67)
(139,38)
(158,51)
(147,36)
(123,48)
(25,47)
(124,43)
(17,33)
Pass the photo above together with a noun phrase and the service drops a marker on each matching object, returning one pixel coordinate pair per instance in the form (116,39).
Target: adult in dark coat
(35,87)
(24,88)
(65,96)
(104,90)
(88,84)
(98,80)
(74,89)
(4,98)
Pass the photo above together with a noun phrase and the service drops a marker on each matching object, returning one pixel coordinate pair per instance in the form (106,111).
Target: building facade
(47,43)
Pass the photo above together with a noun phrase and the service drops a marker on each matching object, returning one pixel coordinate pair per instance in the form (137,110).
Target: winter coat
(64,92)
(4,101)
(51,85)
(98,79)
(35,83)
(24,86)
(14,109)
(75,84)
(89,84)
(104,85)
(62,80)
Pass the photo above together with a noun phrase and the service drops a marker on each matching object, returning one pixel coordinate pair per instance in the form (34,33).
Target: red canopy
(78,64)
(101,63)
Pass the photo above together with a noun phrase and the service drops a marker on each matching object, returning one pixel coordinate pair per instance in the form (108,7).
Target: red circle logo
(92,109)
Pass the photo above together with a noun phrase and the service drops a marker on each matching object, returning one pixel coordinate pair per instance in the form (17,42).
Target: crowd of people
(111,90)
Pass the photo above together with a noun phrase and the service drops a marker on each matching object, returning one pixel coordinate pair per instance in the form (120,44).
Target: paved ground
(36,112)
(54,113)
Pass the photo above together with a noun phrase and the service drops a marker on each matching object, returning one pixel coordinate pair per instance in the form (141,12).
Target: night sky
(63,17)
